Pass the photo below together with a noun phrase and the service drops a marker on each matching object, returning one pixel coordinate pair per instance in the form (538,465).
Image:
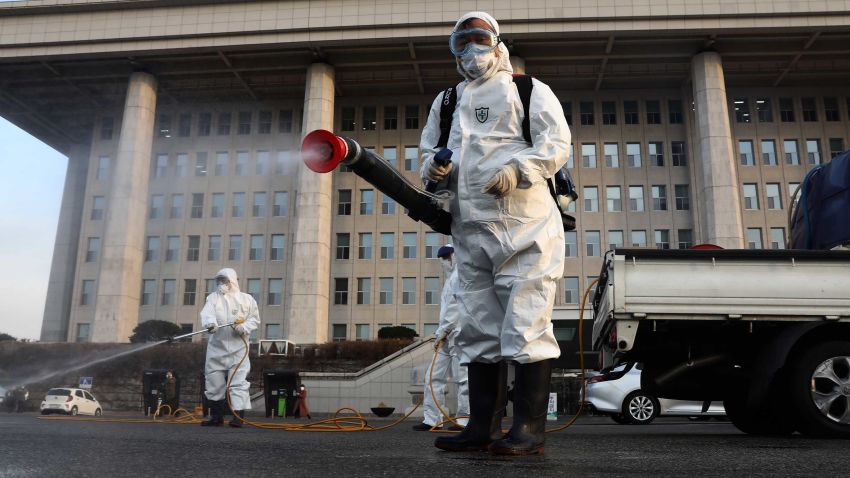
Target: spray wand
(203,331)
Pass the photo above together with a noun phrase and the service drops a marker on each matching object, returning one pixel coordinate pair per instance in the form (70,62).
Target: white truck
(765,331)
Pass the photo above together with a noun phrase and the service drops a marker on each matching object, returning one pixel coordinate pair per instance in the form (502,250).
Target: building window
(812,150)
(163,126)
(256,251)
(636,198)
(221,160)
(432,290)
(411,117)
(591,241)
(609,112)
(223,124)
(169,290)
(786,110)
(264,123)
(193,252)
(214,248)
(567,107)
(107,126)
(836,147)
(570,244)
(176,211)
(742,110)
(391,156)
(281,204)
(631,115)
(343,245)
(777,238)
(92,249)
(157,201)
(432,244)
(633,155)
(675,111)
(241,168)
(586,112)
(284,121)
(278,247)
(367,200)
(364,248)
(87,292)
(197,205)
(83,331)
(255,289)
(656,154)
(259,208)
(686,239)
(810,109)
(161,166)
(340,332)
(387,205)
(614,198)
(571,158)
(792,188)
(653,112)
(102,173)
(768,152)
(273,332)
(791,156)
(659,198)
(172,251)
(751,198)
(361,332)
(275,291)
(409,250)
(181,165)
(591,199)
(217,208)
(340,291)
(344,202)
(571,293)
(364,290)
(385,285)
(745,152)
(683,200)
(370,118)
(387,245)
(588,155)
(662,239)
(148,291)
(754,238)
(152,249)
(615,239)
(612,155)
(234,250)
(190,287)
(204,124)
(261,168)
(638,238)
(764,109)
(408,290)
(411,158)
(390,117)
(830,109)
(210,286)
(679,153)
(201,164)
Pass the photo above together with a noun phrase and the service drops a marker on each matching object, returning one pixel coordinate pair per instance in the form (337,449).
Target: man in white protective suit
(226,347)
(508,236)
(448,353)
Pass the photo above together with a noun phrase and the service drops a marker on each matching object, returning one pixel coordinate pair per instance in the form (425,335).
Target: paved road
(30,447)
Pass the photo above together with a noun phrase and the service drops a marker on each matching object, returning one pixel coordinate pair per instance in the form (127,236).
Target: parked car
(70,401)
(616,393)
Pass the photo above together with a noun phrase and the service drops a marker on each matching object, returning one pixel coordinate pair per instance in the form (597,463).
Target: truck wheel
(771,418)
(820,390)
(640,408)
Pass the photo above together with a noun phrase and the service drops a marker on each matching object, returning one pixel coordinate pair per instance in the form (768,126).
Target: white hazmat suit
(448,357)
(509,242)
(225,347)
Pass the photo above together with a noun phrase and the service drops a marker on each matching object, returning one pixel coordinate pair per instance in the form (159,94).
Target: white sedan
(617,393)
(70,401)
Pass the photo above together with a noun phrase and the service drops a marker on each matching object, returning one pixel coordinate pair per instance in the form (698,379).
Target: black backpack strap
(523,86)
(447,111)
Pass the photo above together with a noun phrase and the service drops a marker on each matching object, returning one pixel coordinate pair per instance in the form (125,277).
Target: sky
(32,177)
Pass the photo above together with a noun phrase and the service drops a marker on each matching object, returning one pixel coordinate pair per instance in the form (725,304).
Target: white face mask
(223,288)
(477,65)
(447,267)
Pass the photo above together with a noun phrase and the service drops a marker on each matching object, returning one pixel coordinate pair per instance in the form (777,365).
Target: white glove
(241,329)
(503,182)
(434,172)
(212,328)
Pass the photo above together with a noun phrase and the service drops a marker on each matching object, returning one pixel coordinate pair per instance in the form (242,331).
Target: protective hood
(231,276)
(503,62)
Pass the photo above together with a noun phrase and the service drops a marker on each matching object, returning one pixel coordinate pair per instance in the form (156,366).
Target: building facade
(692,122)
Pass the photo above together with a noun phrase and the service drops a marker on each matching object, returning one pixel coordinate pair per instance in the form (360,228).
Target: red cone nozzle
(322,151)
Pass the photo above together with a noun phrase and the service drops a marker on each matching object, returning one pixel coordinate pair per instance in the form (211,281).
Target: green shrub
(396,332)
(153,330)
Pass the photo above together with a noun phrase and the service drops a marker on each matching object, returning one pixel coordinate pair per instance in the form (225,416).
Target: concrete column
(716,171)
(309,273)
(120,276)
(60,288)
(518,64)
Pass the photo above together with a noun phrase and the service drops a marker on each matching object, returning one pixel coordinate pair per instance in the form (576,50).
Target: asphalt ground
(594,446)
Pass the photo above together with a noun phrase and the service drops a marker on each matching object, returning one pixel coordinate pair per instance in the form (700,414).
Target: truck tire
(820,389)
(640,408)
(767,420)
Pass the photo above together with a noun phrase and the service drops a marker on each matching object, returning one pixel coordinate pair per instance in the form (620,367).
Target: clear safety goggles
(222,280)
(478,40)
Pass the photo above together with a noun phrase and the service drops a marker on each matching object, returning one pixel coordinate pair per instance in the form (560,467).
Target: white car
(70,401)
(617,393)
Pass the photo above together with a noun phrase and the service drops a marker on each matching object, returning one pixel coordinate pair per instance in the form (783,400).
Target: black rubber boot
(487,395)
(236,421)
(531,401)
(423,427)
(216,414)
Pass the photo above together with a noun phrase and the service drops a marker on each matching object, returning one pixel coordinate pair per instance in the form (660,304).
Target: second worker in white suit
(448,354)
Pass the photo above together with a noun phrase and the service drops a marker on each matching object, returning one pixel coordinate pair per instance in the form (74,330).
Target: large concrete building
(692,122)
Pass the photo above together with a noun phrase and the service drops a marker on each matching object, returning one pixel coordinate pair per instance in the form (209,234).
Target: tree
(7,338)
(396,332)
(153,330)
